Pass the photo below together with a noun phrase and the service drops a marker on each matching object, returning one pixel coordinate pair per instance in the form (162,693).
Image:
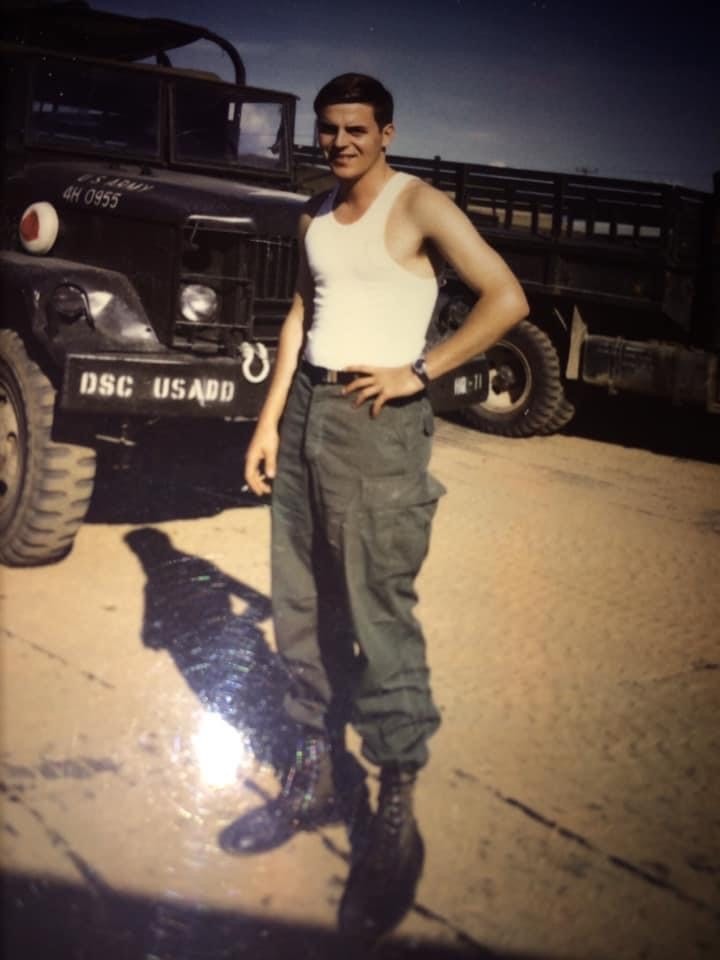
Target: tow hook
(249,353)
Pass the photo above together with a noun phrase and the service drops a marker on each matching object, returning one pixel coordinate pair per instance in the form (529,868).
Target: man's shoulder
(418,191)
(422,201)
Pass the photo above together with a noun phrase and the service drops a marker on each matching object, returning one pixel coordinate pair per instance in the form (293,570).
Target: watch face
(420,370)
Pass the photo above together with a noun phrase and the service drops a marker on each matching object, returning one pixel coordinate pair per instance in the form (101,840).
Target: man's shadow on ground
(223,655)
(221,652)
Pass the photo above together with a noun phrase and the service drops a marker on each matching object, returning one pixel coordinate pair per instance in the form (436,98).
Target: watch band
(419,368)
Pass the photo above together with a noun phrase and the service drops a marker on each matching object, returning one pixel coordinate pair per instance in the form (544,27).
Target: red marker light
(30,226)
(39,227)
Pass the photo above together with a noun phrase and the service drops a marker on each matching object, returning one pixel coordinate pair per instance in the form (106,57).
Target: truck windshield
(222,126)
(83,105)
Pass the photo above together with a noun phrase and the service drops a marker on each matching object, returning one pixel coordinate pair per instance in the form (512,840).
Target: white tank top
(368,309)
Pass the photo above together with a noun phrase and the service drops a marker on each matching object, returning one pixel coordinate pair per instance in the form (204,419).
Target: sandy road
(572,805)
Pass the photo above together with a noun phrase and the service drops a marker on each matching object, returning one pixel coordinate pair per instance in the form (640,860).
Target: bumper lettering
(201,390)
(158,386)
(105,384)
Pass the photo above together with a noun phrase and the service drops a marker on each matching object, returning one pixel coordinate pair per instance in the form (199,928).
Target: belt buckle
(331,376)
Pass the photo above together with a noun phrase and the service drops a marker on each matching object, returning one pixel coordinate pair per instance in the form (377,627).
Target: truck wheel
(525,387)
(45,487)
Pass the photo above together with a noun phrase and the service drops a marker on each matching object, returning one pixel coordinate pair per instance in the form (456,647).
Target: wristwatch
(419,368)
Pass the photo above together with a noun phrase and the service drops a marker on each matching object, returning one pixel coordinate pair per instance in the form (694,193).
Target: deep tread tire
(526,392)
(45,487)
(561,418)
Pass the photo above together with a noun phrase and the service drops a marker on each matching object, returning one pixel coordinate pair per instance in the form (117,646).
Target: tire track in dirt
(92,878)
(51,655)
(616,861)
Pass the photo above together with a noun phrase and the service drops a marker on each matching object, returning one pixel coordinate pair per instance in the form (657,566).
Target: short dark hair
(357,88)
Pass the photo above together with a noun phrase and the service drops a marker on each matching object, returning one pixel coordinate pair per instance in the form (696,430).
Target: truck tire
(561,418)
(45,487)
(526,391)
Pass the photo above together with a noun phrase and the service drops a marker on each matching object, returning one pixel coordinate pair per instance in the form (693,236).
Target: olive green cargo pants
(352,507)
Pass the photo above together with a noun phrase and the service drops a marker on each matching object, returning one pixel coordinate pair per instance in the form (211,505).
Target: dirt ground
(571,808)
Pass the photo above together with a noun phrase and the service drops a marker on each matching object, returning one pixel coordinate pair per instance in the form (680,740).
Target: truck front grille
(215,254)
(253,278)
(274,265)
(274,262)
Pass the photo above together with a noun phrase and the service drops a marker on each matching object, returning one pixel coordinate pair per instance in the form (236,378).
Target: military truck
(622,277)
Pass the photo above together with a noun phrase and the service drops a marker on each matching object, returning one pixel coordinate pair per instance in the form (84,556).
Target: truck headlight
(70,303)
(198,304)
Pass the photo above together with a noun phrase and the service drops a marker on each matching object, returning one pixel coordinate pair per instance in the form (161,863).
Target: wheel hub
(504,379)
(510,379)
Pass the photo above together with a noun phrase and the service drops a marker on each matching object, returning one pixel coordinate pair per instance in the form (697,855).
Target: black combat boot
(383,878)
(306,800)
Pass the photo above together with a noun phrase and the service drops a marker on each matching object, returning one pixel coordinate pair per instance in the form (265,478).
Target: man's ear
(388,132)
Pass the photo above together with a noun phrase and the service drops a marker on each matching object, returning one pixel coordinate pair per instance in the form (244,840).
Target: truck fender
(115,313)
(19,300)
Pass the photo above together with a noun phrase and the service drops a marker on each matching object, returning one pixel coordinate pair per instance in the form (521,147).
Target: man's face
(351,139)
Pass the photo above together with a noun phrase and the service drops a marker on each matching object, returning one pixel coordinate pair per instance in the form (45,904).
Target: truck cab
(147,251)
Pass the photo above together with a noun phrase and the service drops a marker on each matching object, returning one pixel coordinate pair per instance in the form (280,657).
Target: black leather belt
(323,375)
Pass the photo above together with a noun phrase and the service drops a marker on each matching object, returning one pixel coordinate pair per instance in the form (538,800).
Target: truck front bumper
(162,386)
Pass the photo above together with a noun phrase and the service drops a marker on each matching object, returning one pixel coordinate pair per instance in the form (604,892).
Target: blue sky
(624,89)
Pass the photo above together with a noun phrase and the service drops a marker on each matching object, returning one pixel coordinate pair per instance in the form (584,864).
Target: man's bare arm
(261,456)
(501,302)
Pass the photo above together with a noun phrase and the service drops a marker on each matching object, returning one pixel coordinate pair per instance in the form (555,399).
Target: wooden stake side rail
(555,207)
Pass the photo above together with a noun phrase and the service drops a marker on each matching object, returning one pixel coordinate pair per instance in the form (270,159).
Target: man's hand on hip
(382,383)
(261,459)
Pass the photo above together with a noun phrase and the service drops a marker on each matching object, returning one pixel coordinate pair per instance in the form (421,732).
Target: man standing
(344,437)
